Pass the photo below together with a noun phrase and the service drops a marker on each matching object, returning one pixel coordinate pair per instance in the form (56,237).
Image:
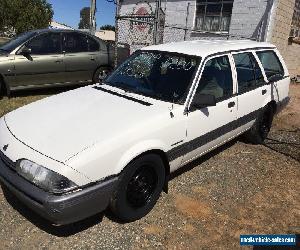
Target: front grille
(8,162)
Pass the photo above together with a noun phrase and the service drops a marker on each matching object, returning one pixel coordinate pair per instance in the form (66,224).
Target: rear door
(253,90)
(79,62)
(44,65)
(211,126)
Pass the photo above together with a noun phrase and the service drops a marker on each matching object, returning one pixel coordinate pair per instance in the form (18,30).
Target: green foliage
(107,27)
(23,15)
(84,18)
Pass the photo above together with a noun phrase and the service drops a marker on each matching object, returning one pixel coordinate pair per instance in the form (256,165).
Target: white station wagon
(115,144)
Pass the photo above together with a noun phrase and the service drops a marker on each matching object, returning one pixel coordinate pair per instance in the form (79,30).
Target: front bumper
(59,209)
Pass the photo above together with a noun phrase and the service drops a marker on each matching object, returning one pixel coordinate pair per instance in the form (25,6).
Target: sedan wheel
(139,188)
(101,74)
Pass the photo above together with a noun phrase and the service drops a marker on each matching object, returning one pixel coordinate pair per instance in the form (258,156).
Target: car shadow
(288,147)
(43,224)
(195,163)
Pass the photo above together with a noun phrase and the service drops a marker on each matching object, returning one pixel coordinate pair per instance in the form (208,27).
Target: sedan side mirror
(25,51)
(202,101)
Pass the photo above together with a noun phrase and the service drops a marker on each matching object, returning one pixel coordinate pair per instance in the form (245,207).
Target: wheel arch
(125,160)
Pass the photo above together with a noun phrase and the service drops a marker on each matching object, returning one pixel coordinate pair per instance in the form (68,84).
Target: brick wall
(280,33)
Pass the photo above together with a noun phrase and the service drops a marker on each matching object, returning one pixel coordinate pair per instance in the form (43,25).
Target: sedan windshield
(17,41)
(162,75)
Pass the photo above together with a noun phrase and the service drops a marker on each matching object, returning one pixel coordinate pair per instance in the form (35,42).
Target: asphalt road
(237,189)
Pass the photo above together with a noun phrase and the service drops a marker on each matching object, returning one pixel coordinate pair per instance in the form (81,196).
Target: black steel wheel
(262,126)
(139,188)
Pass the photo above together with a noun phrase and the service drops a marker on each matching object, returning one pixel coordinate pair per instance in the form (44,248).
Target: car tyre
(100,74)
(139,188)
(261,127)
(1,89)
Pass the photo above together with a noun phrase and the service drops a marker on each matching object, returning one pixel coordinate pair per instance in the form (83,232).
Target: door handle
(59,61)
(231,104)
(264,91)
(92,59)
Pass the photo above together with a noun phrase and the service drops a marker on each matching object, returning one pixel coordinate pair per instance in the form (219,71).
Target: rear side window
(249,75)
(216,78)
(93,44)
(270,63)
(75,43)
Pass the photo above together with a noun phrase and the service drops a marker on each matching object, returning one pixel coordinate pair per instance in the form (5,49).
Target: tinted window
(249,74)
(75,43)
(19,40)
(93,44)
(271,63)
(216,78)
(49,43)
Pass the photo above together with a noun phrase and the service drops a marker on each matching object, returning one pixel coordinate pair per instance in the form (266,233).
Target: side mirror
(202,101)
(275,78)
(25,51)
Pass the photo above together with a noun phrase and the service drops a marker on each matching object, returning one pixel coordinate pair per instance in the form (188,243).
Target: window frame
(255,57)
(38,35)
(88,37)
(278,58)
(205,4)
(65,40)
(197,78)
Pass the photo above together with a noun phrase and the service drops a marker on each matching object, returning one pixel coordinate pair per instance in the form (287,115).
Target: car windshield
(162,75)
(17,41)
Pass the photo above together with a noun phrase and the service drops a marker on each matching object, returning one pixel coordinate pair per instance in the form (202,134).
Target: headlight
(44,178)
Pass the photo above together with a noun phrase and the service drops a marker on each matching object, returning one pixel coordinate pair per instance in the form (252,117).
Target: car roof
(61,30)
(205,48)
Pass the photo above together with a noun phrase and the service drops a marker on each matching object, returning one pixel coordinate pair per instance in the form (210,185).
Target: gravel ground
(237,189)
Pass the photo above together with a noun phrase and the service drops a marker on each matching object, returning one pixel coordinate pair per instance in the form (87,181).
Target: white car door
(253,90)
(211,126)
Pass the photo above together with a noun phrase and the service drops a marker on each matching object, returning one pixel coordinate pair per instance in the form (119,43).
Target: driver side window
(216,79)
(45,44)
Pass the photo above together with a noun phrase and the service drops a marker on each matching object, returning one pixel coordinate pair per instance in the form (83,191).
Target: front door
(44,65)
(211,126)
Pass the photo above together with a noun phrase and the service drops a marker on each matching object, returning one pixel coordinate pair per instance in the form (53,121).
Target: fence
(148,23)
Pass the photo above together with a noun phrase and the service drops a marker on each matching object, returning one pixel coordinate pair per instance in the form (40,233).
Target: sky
(68,11)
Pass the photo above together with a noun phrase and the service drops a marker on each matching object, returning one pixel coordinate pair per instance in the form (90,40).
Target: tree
(23,15)
(107,27)
(84,18)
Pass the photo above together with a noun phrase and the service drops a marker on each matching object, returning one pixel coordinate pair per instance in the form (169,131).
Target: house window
(295,27)
(213,15)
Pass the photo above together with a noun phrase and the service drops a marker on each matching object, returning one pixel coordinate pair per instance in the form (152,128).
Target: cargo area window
(271,63)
